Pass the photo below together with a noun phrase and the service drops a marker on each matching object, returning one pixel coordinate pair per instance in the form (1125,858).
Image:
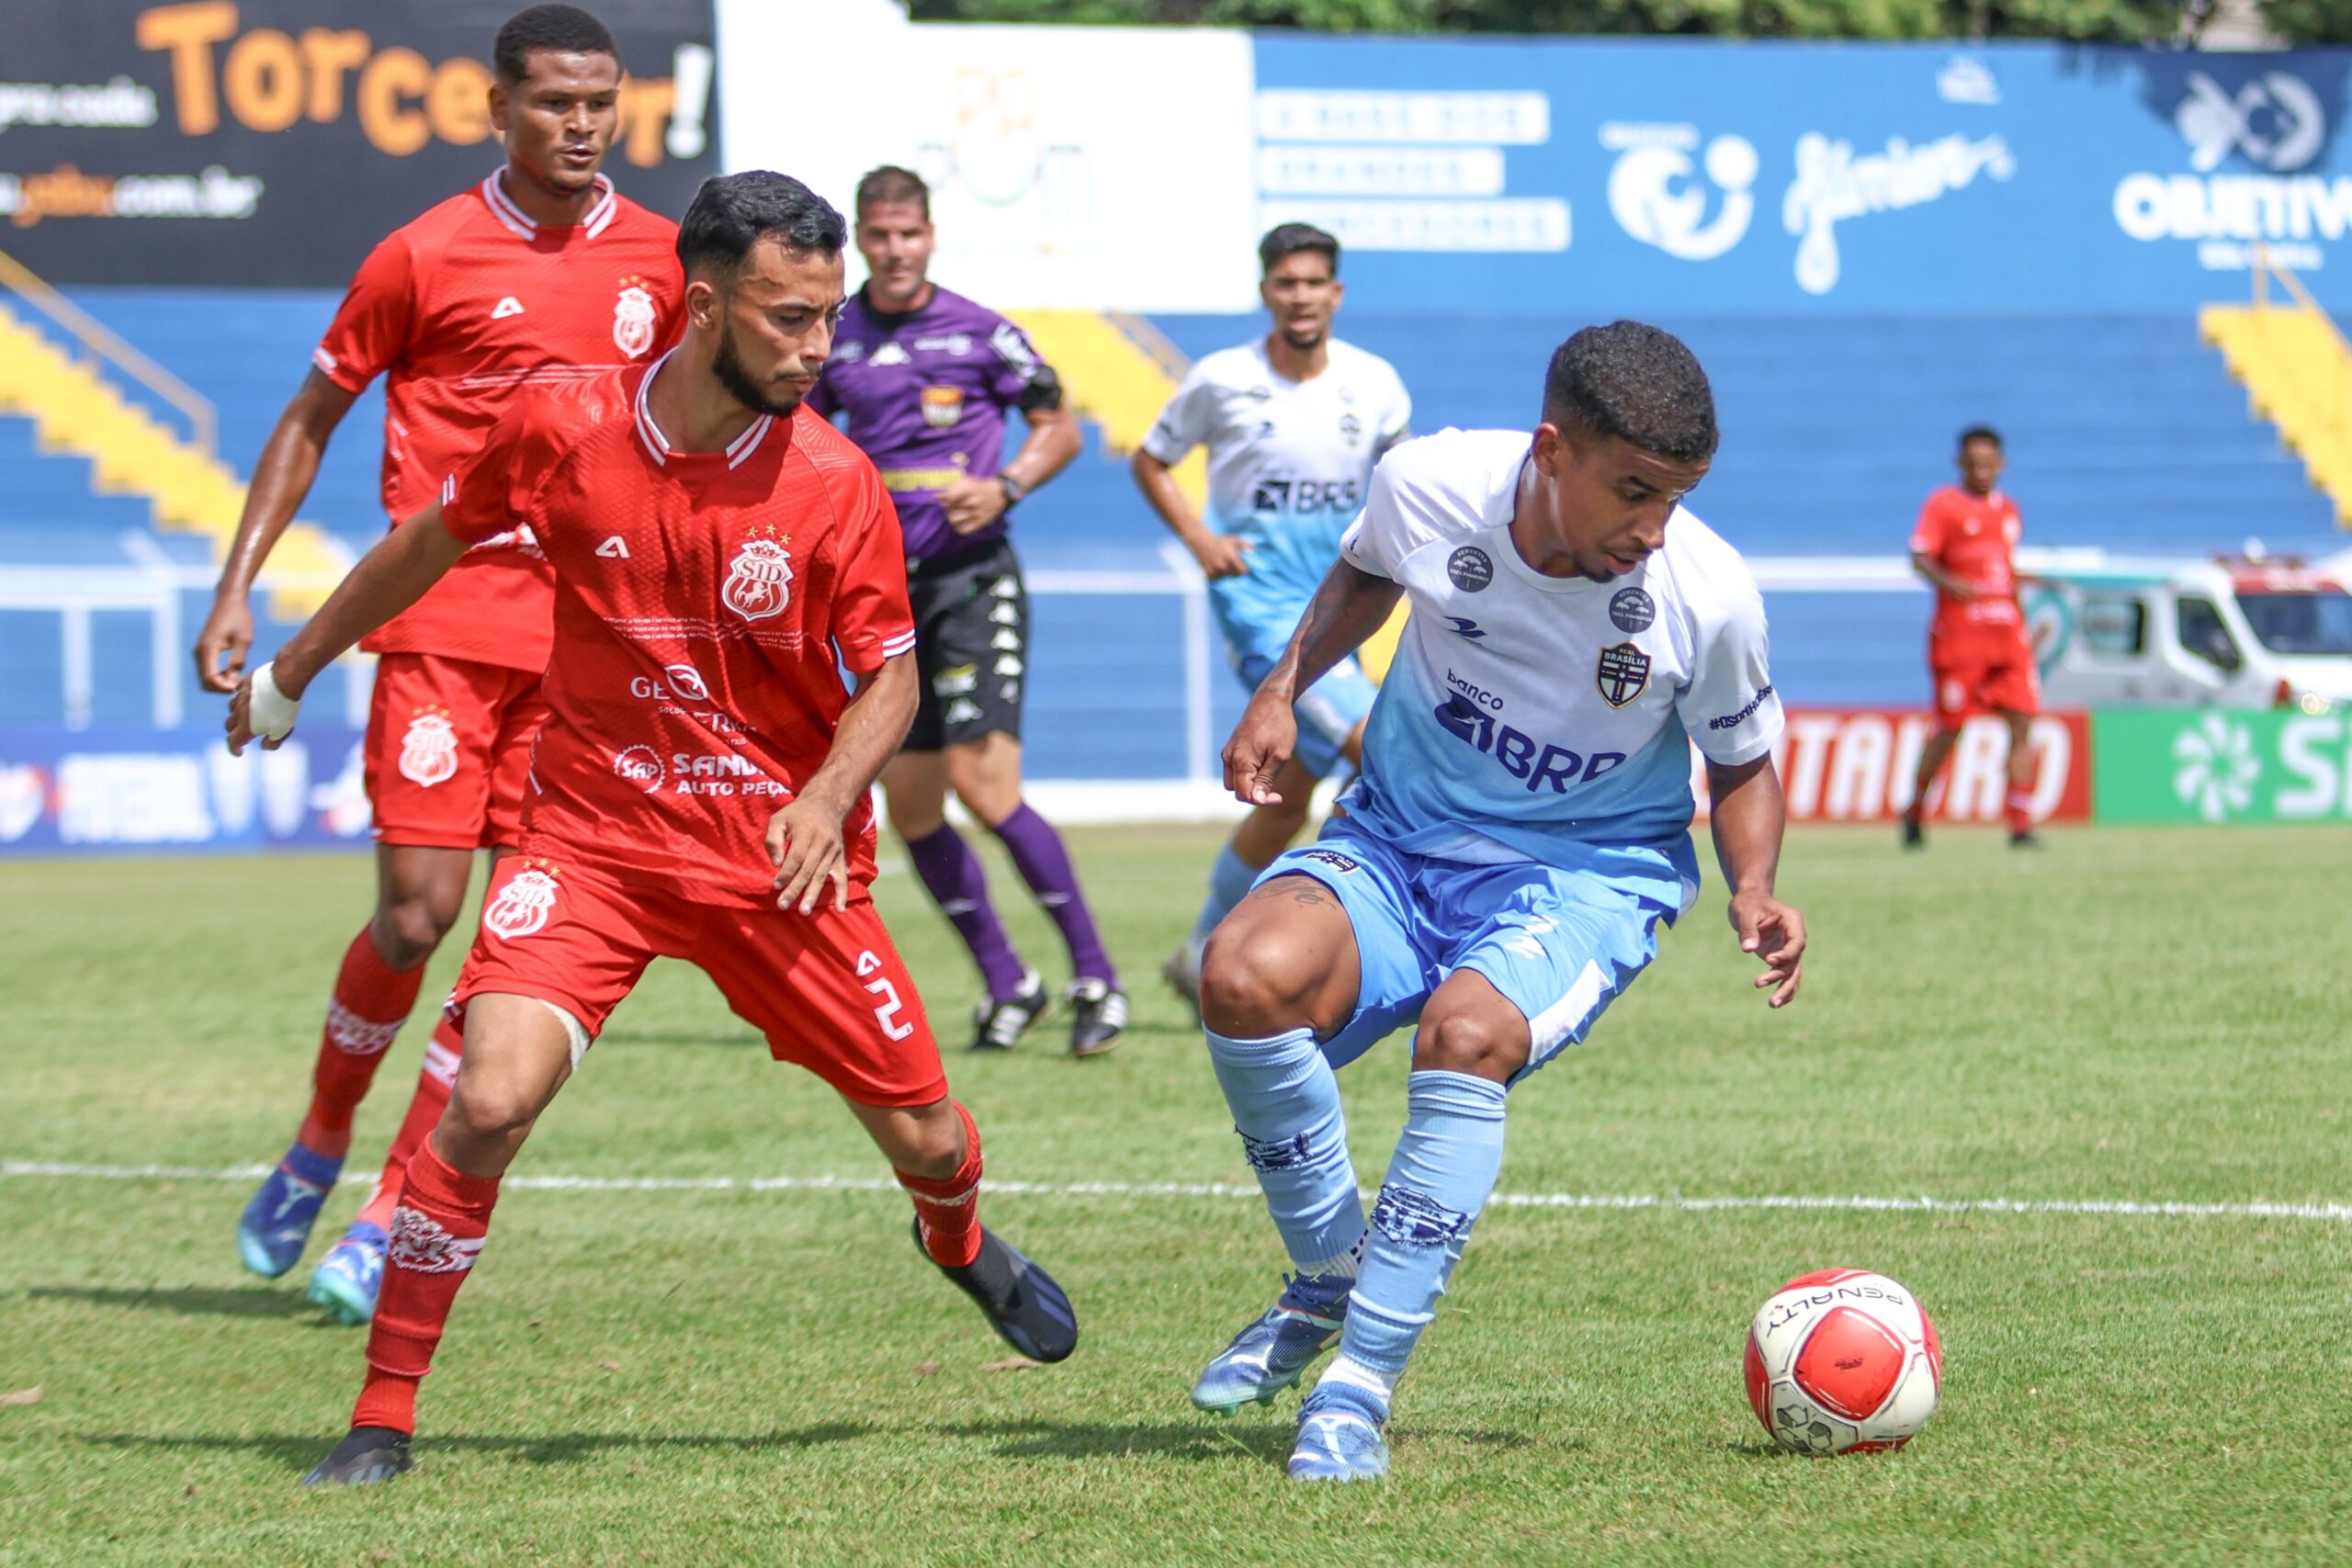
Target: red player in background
(710,534)
(1978,655)
(541,274)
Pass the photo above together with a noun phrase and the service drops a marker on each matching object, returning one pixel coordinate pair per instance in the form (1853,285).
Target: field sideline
(2094,1102)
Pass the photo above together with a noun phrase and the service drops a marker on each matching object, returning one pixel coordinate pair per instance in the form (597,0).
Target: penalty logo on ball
(1843,1360)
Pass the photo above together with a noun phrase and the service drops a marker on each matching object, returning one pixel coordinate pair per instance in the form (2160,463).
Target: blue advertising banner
(134,789)
(1655,176)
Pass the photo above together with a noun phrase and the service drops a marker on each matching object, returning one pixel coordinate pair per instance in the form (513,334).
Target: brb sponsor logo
(1468,714)
(1656,194)
(2275,124)
(1306,498)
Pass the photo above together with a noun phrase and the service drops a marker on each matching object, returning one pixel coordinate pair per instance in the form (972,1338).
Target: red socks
(424,1108)
(436,1233)
(371,1001)
(2020,810)
(949,1209)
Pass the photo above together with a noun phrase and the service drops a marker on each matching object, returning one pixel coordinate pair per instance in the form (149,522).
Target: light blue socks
(1442,1173)
(1286,1105)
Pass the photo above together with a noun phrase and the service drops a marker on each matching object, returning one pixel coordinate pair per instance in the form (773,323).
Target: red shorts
(448,750)
(1975,675)
(827,989)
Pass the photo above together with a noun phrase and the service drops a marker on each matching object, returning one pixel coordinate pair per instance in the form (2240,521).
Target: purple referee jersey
(926,393)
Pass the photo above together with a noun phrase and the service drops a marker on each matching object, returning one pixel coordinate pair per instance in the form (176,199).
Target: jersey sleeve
(1927,535)
(493,490)
(1386,531)
(1185,423)
(1730,708)
(371,326)
(1013,366)
(872,619)
(1397,420)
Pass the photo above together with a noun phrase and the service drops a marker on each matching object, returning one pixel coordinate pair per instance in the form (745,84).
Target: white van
(2237,632)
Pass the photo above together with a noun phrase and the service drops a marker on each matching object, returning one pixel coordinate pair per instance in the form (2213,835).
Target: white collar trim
(503,207)
(657,445)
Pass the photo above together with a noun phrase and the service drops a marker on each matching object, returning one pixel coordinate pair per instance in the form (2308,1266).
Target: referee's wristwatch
(1014,489)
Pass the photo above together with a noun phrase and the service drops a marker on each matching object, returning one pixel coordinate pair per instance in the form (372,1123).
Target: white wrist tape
(270,711)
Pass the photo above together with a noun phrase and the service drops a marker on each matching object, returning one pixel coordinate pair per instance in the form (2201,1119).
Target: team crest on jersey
(523,906)
(1350,428)
(941,407)
(429,749)
(1622,673)
(633,319)
(759,580)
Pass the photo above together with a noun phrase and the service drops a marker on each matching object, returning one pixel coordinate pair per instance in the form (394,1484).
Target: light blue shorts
(1559,944)
(1328,714)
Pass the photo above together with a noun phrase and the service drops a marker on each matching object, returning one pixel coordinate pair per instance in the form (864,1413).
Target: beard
(728,366)
(1307,340)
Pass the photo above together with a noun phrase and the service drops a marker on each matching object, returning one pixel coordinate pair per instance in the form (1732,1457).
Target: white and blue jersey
(1290,463)
(1524,805)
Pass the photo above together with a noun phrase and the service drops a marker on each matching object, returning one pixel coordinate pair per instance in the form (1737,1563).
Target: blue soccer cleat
(349,1276)
(1273,1352)
(275,1227)
(1336,1443)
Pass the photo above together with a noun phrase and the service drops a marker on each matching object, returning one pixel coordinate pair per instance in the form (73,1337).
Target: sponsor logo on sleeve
(1734,720)
(1334,859)
(1471,569)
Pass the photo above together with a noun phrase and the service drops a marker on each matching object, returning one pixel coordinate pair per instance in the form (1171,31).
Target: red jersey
(1974,537)
(700,598)
(459,310)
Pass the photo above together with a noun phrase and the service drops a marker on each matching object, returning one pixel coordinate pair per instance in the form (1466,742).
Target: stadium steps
(1119,373)
(2297,371)
(77,411)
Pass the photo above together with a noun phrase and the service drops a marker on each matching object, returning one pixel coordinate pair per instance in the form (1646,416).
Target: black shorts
(971,645)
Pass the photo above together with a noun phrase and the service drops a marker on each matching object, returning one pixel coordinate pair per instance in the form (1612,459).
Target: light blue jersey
(1289,466)
(1524,805)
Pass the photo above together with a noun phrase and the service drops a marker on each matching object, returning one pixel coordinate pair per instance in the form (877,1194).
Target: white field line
(2333,1214)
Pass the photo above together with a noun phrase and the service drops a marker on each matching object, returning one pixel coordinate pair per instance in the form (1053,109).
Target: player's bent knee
(408,930)
(1473,1041)
(1256,982)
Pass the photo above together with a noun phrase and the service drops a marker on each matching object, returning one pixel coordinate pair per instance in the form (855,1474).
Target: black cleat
(2026,842)
(366,1455)
(1003,1023)
(1021,1300)
(1913,837)
(1097,1013)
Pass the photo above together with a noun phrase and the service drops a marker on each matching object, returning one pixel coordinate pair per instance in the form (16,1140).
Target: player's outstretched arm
(387,580)
(806,839)
(1220,555)
(1749,817)
(290,462)
(1350,606)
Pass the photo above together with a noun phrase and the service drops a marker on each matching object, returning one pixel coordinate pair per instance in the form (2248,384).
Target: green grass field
(704,1375)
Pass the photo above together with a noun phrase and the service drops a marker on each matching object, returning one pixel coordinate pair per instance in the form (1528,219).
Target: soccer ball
(1843,1360)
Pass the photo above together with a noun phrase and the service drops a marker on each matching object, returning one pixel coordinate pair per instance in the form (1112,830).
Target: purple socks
(1037,853)
(959,886)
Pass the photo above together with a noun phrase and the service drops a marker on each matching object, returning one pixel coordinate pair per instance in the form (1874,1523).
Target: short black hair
(889,186)
(1979,432)
(560,29)
(1635,381)
(1289,238)
(731,213)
